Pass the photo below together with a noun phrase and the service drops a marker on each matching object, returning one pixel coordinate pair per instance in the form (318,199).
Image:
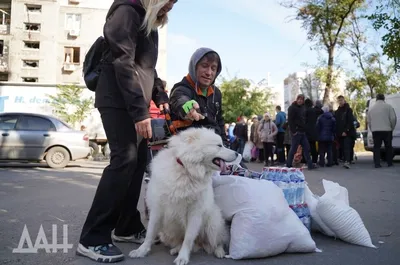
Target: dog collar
(179,161)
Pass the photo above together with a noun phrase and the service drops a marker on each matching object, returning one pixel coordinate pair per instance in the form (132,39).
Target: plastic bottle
(293,186)
(306,217)
(285,184)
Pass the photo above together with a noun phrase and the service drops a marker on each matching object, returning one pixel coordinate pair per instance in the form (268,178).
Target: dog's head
(201,148)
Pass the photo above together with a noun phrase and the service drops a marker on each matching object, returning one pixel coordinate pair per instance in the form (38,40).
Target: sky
(253,37)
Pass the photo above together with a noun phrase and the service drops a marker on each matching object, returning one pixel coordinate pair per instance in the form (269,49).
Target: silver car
(34,137)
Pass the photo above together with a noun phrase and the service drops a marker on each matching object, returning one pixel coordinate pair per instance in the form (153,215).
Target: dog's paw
(174,251)
(139,253)
(181,260)
(219,252)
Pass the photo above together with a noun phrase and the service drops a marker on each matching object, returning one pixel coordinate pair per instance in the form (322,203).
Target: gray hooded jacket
(210,105)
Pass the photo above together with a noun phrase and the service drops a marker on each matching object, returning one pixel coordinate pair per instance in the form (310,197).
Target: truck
(394,101)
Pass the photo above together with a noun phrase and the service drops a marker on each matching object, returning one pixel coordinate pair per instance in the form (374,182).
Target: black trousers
(346,146)
(386,137)
(313,151)
(117,195)
(325,148)
(280,148)
(268,151)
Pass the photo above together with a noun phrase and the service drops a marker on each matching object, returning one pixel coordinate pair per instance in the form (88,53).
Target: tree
(325,21)
(310,86)
(386,18)
(70,105)
(240,98)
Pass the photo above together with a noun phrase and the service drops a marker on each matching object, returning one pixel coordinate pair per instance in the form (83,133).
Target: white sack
(247,150)
(316,223)
(263,225)
(344,221)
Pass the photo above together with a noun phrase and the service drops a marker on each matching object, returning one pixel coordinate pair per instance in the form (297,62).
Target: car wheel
(106,151)
(57,157)
(94,148)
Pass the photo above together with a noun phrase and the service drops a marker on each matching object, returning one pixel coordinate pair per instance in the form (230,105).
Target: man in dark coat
(311,130)
(345,130)
(297,126)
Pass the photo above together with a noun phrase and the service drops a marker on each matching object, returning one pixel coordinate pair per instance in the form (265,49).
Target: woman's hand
(143,128)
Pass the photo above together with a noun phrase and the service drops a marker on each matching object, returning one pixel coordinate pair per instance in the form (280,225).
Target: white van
(394,100)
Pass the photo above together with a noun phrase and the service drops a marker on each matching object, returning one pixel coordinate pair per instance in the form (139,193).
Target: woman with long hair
(127,83)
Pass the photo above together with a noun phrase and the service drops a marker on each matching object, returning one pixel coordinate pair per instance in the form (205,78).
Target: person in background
(127,82)
(241,134)
(345,130)
(254,136)
(318,108)
(326,125)
(297,126)
(231,136)
(288,138)
(382,121)
(311,132)
(267,131)
(280,120)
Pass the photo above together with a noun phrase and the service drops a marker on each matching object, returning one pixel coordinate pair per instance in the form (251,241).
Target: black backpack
(93,63)
(94,60)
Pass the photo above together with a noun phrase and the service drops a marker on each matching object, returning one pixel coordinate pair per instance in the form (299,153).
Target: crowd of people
(125,81)
(310,133)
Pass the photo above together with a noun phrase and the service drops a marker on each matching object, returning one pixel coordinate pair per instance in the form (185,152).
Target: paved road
(35,195)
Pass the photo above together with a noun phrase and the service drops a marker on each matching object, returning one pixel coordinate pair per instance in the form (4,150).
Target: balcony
(4,21)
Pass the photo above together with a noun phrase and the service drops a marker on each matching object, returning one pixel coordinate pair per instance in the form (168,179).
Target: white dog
(180,195)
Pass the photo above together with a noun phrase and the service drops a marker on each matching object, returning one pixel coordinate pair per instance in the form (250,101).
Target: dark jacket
(297,118)
(210,105)
(311,122)
(318,110)
(128,78)
(241,131)
(326,126)
(344,121)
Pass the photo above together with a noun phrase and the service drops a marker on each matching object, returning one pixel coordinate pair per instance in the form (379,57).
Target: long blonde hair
(151,20)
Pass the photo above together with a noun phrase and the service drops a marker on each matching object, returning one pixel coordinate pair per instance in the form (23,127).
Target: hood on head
(318,104)
(196,57)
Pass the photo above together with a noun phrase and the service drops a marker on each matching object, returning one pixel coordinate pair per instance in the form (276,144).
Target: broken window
(30,79)
(30,63)
(31,44)
(32,26)
(72,55)
(34,8)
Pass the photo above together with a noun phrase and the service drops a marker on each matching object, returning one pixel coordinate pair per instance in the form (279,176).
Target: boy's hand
(191,108)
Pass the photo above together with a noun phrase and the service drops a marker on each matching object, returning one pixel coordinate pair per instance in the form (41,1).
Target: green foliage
(386,18)
(239,99)
(325,22)
(69,104)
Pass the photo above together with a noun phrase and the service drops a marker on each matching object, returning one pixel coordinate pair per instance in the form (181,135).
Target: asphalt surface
(35,195)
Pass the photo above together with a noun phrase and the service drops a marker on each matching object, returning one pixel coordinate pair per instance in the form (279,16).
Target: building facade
(311,86)
(45,41)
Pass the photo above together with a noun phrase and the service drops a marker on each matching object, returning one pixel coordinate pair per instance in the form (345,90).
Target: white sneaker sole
(85,252)
(126,239)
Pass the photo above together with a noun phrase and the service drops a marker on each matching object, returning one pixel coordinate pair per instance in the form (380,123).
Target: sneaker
(137,238)
(346,165)
(107,253)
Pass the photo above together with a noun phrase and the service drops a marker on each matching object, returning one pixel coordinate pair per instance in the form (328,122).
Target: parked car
(36,137)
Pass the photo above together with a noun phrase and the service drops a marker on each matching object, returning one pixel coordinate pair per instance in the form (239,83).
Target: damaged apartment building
(44,42)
